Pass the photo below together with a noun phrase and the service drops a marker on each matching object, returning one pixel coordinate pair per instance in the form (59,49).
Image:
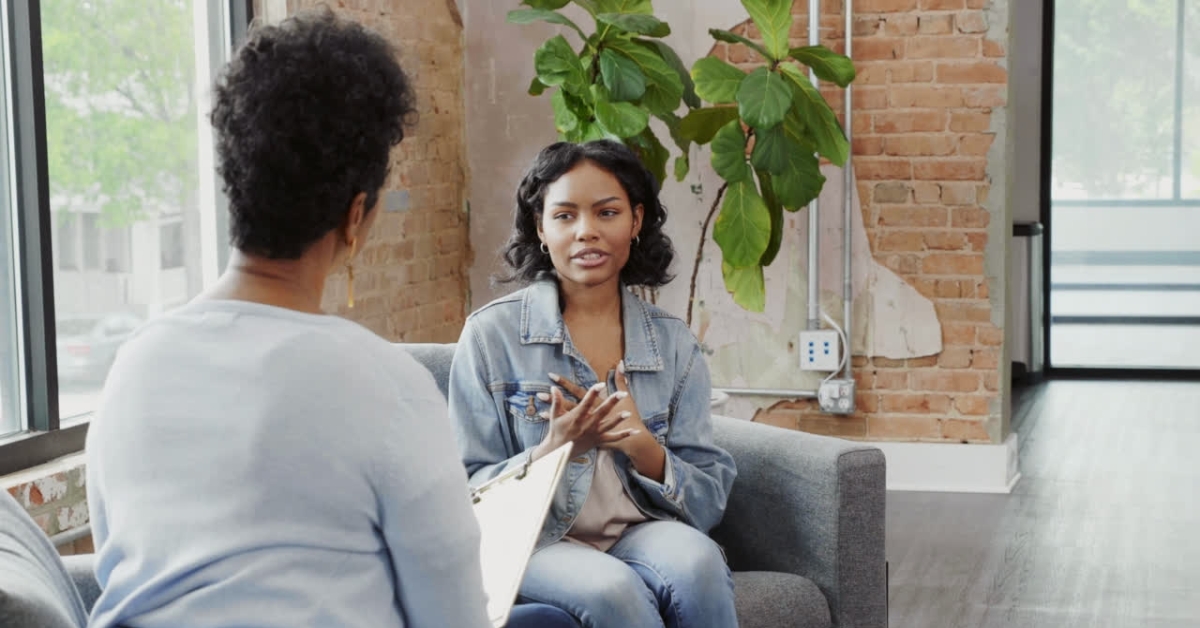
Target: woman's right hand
(585,424)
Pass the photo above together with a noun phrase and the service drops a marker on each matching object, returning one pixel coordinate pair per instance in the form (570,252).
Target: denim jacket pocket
(529,415)
(658,426)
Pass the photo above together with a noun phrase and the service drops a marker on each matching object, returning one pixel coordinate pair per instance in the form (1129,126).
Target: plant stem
(700,251)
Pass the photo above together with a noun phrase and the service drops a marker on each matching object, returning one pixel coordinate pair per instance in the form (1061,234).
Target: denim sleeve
(699,474)
(484,442)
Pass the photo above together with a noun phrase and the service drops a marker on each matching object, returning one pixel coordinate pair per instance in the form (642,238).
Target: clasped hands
(592,419)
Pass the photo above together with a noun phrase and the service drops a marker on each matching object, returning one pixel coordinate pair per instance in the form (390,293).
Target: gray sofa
(804,534)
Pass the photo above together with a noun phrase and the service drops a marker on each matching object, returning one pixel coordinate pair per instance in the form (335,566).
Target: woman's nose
(585,228)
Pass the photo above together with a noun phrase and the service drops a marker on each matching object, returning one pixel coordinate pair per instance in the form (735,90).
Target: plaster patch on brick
(52,487)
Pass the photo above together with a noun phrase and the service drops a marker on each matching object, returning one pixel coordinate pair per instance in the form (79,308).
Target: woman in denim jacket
(576,357)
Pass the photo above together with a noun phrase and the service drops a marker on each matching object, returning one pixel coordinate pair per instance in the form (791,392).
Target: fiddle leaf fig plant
(766,128)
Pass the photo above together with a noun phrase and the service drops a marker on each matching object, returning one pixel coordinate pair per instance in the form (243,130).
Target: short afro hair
(649,258)
(306,115)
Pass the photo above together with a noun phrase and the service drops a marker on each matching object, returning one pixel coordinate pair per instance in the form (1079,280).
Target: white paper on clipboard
(510,510)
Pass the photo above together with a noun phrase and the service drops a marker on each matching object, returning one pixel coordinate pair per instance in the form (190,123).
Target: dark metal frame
(47,437)
(1047,133)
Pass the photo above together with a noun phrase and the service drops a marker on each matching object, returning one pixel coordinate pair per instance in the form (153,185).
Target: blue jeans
(539,616)
(660,573)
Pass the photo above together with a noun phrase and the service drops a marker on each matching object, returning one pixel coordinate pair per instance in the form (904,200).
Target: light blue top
(255,466)
(502,361)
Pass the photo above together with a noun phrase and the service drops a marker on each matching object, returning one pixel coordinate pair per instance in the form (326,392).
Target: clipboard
(511,509)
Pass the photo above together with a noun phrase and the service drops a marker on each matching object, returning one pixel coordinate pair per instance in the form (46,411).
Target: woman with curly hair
(576,357)
(254,461)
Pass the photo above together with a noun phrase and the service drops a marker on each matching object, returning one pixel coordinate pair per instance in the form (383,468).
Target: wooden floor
(1103,530)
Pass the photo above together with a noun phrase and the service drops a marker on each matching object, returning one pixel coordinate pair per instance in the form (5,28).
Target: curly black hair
(306,115)
(651,255)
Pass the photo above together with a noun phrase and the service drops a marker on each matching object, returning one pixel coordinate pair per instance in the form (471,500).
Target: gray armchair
(804,528)
(803,532)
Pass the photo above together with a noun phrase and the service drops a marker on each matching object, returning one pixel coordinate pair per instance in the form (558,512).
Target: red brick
(901,241)
(912,216)
(975,145)
(963,311)
(953,264)
(971,72)
(933,96)
(949,289)
(955,358)
(942,5)
(878,48)
(910,145)
(977,241)
(926,192)
(985,96)
(942,47)
(867,402)
(958,193)
(958,334)
(991,336)
(891,192)
(910,121)
(986,358)
(965,431)
(891,379)
(927,287)
(973,405)
(923,361)
(787,419)
(910,71)
(954,169)
(843,427)
(871,73)
(884,6)
(940,380)
(971,22)
(993,49)
(863,122)
(869,99)
(868,145)
(969,217)
(945,240)
(935,24)
(869,168)
(864,26)
(903,263)
(910,403)
(965,122)
(901,24)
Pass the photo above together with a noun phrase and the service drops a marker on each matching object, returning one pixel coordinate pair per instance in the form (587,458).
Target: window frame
(46,436)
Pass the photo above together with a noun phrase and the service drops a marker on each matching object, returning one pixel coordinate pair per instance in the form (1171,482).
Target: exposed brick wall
(57,499)
(410,281)
(929,79)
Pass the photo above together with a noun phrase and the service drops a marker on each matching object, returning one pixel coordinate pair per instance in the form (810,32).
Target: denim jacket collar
(542,322)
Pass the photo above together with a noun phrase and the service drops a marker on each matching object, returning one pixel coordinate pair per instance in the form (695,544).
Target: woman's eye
(562,216)
(609,212)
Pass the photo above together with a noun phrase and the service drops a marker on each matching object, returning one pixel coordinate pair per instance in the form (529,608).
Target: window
(114,196)
(10,403)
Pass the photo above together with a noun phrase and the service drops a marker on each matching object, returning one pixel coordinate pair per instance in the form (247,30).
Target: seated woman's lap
(537,615)
(657,568)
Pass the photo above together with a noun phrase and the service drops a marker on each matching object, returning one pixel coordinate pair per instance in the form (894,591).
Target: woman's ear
(356,216)
(638,213)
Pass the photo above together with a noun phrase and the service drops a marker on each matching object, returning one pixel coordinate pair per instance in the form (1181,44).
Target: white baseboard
(952,467)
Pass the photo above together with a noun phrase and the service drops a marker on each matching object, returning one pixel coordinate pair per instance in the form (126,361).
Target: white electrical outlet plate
(819,350)
(836,396)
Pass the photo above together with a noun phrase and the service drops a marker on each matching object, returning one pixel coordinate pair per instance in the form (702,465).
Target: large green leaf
(565,119)
(689,88)
(793,126)
(746,286)
(826,64)
(764,98)
(774,20)
(743,228)
(652,153)
(642,7)
(776,211)
(800,183)
(772,149)
(589,131)
(820,124)
(636,23)
(622,77)
(664,88)
(717,81)
(621,118)
(546,4)
(674,124)
(729,153)
(557,65)
(529,16)
(536,87)
(730,38)
(700,125)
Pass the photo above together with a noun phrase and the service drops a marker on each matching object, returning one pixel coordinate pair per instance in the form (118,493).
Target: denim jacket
(502,361)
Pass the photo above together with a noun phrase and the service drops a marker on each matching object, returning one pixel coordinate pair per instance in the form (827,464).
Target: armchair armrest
(80,569)
(812,506)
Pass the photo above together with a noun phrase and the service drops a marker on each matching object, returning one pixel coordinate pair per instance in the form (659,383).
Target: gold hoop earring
(350,274)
